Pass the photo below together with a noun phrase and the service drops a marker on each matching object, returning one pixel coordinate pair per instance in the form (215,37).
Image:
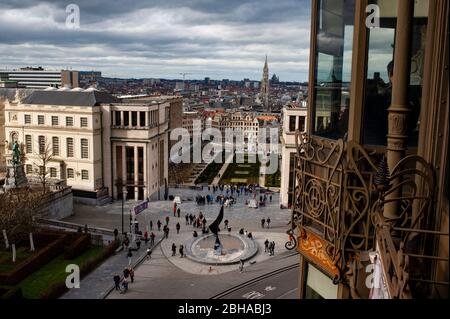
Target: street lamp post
(124,193)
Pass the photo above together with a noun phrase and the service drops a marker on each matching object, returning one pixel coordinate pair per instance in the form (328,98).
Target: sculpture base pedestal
(15,177)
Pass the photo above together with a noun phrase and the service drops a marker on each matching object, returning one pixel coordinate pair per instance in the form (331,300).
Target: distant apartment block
(39,78)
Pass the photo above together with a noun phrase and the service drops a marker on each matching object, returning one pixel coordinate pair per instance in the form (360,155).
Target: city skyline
(161,39)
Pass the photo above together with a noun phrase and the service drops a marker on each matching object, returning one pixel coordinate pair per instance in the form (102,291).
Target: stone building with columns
(100,146)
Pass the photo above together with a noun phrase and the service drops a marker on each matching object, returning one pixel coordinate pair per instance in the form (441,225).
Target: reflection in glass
(333,67)
(380,63)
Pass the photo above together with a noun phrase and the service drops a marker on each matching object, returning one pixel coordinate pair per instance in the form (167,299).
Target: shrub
(12,294)
(57,290)
(33,263)
(79,246)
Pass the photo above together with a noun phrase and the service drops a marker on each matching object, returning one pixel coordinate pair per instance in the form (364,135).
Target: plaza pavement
(162,264)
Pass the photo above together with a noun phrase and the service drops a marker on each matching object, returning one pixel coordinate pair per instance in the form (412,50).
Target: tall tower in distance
(265,86)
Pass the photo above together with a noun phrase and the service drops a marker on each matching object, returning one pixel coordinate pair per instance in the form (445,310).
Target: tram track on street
(255,280)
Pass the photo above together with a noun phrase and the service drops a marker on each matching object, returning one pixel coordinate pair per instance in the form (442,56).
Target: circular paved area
(235,248)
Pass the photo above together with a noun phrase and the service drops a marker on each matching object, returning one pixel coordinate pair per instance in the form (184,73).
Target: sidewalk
(98,283)
(219,175)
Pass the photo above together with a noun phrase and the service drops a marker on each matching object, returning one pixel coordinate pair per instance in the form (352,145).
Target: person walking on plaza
(146,237)
(270,248)
(178,212)
(125,285)
(126,272)
(187,219)
(149,253)
(181,251)
(167,220)
(178,228)
(159,225)
(138,243)
(151,225)
(268,222)
(273,248)
(131,274)
(241,265)
(126,242)
(174,209)
(266,246)
(117,282)
(166,232)
(226,224)
(174,249)
(263,222)
(152,238)
(129,255)
(270,198)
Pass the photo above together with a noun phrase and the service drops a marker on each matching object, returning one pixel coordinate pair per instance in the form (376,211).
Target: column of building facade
(122,119)
(144,159)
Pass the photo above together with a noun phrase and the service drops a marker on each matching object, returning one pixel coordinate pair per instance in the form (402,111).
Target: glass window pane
(333,67)
(380,64)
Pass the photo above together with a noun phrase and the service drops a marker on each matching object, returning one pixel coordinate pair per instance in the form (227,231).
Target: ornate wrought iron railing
(408,242)
(339,206)
(332,199)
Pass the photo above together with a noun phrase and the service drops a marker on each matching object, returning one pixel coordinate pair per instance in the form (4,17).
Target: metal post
(124,194)
(122,209)
(399,109)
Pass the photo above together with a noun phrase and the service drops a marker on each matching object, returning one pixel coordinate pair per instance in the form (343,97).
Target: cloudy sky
(160,38)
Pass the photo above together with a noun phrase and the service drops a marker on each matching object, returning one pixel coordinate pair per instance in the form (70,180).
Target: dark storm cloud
(154,38)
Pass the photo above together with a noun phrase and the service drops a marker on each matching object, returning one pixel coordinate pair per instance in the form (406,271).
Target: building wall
(15,124)
(153,140)
(2,131)
(288,147)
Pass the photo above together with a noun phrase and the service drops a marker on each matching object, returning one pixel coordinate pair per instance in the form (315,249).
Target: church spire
(265,86)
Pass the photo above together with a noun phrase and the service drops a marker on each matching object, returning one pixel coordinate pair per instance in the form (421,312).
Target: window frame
(72,145)
(86,124)
(55,123)
(69,121)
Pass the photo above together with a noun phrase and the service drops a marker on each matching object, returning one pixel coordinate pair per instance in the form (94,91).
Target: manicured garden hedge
(11,294)
(56,290)
(36,261)
(77,247)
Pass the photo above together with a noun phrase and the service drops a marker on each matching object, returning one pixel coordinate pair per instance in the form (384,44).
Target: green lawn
(274,180)
(6,263)
(207,176)
(53,273)
(242,173)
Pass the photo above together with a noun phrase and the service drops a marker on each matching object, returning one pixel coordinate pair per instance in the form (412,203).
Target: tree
(41,165)
(19,208)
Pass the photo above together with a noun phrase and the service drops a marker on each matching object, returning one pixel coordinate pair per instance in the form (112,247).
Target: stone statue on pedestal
(15,175)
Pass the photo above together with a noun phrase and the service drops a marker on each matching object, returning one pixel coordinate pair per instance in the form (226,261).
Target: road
(280,285)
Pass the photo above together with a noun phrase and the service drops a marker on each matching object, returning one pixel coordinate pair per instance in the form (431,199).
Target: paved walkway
(161,268)
(159,278)
(98,283)
(193,267)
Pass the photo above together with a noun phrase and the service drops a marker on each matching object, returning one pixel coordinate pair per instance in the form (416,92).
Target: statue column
(399,109)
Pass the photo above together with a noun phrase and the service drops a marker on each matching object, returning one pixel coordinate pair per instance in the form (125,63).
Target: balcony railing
(408,241)
(339,207)
(332,200)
